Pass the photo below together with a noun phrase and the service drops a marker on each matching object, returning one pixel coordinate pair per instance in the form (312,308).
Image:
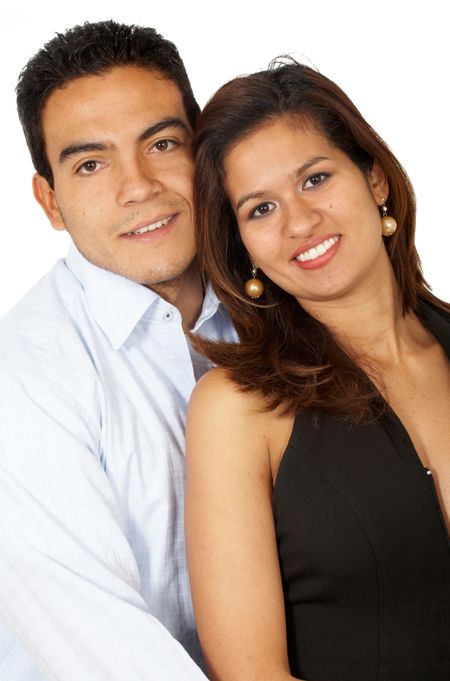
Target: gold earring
(254,287)
(388,223)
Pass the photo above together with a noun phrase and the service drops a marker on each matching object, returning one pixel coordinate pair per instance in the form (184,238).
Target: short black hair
(92,49)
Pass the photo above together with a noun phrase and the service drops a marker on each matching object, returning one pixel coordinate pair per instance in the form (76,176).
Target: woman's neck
(370,324)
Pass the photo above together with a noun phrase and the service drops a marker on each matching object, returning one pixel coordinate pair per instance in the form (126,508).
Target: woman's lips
(317,252)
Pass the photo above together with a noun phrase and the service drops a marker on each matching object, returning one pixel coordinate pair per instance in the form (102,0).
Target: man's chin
(164,277)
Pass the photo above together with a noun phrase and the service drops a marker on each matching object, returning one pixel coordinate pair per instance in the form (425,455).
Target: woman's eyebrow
(260,194)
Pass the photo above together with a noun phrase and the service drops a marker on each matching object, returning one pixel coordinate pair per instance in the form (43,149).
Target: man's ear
(45,196)
(378,183)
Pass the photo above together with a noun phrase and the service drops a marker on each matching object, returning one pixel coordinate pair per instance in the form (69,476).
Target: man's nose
(138,182)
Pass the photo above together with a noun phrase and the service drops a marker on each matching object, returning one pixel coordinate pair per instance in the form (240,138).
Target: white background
(392,59)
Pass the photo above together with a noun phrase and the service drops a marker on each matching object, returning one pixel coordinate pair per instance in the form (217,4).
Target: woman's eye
(163,145)
(262,210)
(314,180)
(89,167)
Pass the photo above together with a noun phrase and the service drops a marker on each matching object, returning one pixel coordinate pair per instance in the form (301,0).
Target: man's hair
(92,49)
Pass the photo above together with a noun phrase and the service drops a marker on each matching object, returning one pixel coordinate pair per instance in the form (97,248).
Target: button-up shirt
(95,377)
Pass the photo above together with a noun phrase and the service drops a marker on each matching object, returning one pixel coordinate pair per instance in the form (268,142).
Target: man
(96,370)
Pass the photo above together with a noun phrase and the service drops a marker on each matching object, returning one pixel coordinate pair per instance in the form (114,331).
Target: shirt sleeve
(69,583)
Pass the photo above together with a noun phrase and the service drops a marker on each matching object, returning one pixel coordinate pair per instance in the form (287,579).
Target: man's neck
(185,293)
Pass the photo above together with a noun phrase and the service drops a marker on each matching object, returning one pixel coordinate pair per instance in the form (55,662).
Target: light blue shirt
(95,376)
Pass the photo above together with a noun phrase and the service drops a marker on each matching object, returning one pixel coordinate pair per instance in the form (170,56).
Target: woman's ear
(45,196)
(378,183)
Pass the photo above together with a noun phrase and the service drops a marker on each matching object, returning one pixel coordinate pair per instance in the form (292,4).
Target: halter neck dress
(364,549)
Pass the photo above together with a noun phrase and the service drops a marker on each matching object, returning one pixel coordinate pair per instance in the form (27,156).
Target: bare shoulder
(216,389)
(237,420)
(226,422)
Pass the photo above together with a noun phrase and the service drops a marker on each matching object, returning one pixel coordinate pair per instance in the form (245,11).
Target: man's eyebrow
(298,173)
(80,148)
(163,124)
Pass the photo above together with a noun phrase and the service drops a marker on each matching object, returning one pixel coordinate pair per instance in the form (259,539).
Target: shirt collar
(209,308)
(117,303)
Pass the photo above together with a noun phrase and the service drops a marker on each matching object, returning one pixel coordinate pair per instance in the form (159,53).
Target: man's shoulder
(43,329)
(47,371)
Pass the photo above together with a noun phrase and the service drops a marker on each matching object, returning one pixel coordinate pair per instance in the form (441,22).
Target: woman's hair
(284,353)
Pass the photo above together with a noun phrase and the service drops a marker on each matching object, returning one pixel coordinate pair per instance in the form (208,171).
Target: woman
(318,491)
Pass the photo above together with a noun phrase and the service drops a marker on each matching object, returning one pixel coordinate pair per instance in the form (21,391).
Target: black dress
(364,550)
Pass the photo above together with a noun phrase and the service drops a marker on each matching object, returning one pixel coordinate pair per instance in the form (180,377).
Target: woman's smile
(314,256)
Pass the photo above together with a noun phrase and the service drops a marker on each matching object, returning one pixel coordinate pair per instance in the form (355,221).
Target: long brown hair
(284,353)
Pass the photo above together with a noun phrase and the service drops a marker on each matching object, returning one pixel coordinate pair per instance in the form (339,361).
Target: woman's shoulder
(220,408)
(434,307)
(437,319)
(217,389)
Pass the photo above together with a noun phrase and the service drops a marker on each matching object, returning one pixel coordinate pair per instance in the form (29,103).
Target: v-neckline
(433,322)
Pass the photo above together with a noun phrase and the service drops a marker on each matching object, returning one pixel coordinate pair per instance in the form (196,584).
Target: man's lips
(152,225)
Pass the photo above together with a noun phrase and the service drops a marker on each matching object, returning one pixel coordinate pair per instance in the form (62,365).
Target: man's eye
(262,209)
(163,145)
(314,180)
(88,167)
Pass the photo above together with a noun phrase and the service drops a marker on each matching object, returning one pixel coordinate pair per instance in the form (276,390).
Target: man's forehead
(142,81)
(95,105)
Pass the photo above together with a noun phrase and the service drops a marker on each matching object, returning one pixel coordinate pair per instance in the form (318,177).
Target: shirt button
(168,316)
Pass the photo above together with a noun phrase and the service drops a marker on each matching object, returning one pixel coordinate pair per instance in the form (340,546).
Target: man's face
(119,146)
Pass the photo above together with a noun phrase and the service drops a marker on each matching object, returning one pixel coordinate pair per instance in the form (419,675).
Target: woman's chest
(352,503)
(421,401)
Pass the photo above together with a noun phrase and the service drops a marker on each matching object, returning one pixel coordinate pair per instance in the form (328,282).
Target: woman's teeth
(316,251)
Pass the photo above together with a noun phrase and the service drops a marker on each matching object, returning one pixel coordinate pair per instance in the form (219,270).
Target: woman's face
(307,214)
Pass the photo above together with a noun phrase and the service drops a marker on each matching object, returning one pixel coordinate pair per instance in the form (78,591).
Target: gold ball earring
(254,287)
(388,223)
